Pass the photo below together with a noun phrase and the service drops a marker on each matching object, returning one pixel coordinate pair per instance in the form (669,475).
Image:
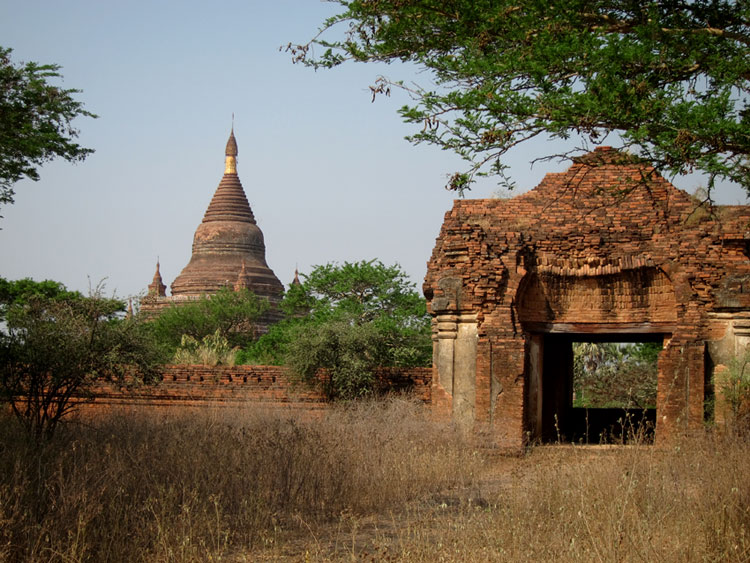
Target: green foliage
(20,292)
(231,314)
(348,352)
(35,121)
(348,319)
(612,374)
(668,79)
(211,350)
(647,352)
(365,291)
(54,349)
(271,347)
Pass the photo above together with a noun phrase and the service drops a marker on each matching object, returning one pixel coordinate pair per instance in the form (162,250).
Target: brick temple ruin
(228,251)
(607,251)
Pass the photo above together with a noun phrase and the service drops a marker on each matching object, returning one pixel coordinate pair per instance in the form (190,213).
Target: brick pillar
(680,390)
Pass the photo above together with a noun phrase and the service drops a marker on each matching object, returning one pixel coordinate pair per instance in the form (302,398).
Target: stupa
(228,251)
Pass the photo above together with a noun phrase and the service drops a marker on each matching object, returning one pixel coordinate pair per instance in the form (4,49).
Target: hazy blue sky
(327,173)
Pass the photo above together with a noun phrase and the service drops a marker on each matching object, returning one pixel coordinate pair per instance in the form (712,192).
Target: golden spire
(231,154)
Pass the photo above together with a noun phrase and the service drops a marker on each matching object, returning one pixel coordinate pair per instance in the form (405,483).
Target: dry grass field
(376,481)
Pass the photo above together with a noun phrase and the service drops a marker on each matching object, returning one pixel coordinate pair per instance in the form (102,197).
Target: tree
(35,121)
(212,350)
(348,352)
(365,291)
(226,314)
(20,292)
(54,350)
(668,79)
(348,319)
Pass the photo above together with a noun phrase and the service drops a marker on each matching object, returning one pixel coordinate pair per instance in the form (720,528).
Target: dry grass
(571,503)
(377,481)
(624,504)
(199,486)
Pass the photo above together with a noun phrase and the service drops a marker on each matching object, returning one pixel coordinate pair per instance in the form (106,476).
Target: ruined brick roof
(609,212)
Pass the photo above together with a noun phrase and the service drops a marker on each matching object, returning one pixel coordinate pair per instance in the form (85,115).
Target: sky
(327,172)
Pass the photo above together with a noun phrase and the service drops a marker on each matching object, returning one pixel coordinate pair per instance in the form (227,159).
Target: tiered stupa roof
(228,246)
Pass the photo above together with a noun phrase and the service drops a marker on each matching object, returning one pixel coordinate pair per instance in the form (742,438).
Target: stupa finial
(231,153)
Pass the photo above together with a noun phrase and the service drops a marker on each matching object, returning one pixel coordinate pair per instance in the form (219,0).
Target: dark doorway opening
(592,388)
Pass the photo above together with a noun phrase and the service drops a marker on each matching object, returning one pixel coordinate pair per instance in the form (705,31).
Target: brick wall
(201,386)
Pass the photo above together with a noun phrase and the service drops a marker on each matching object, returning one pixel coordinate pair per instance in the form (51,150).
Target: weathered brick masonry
(203,386)
(608,249)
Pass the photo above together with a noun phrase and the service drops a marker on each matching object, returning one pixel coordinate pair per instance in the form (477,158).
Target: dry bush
(211,350)
(194,486)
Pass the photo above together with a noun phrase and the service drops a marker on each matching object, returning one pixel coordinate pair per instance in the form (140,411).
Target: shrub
(359,293)
(212,350)
(613,374)
(231,313)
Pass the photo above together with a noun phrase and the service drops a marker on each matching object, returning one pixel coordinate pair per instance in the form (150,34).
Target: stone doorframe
(455,360)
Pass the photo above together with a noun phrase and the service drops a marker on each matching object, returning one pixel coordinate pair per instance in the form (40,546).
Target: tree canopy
(227,314)
(35,121)
(365,291)
(21,292)
(349,319)
(668,79)
(53,349)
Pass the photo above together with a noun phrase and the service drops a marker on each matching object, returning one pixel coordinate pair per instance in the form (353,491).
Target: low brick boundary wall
(202,386)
